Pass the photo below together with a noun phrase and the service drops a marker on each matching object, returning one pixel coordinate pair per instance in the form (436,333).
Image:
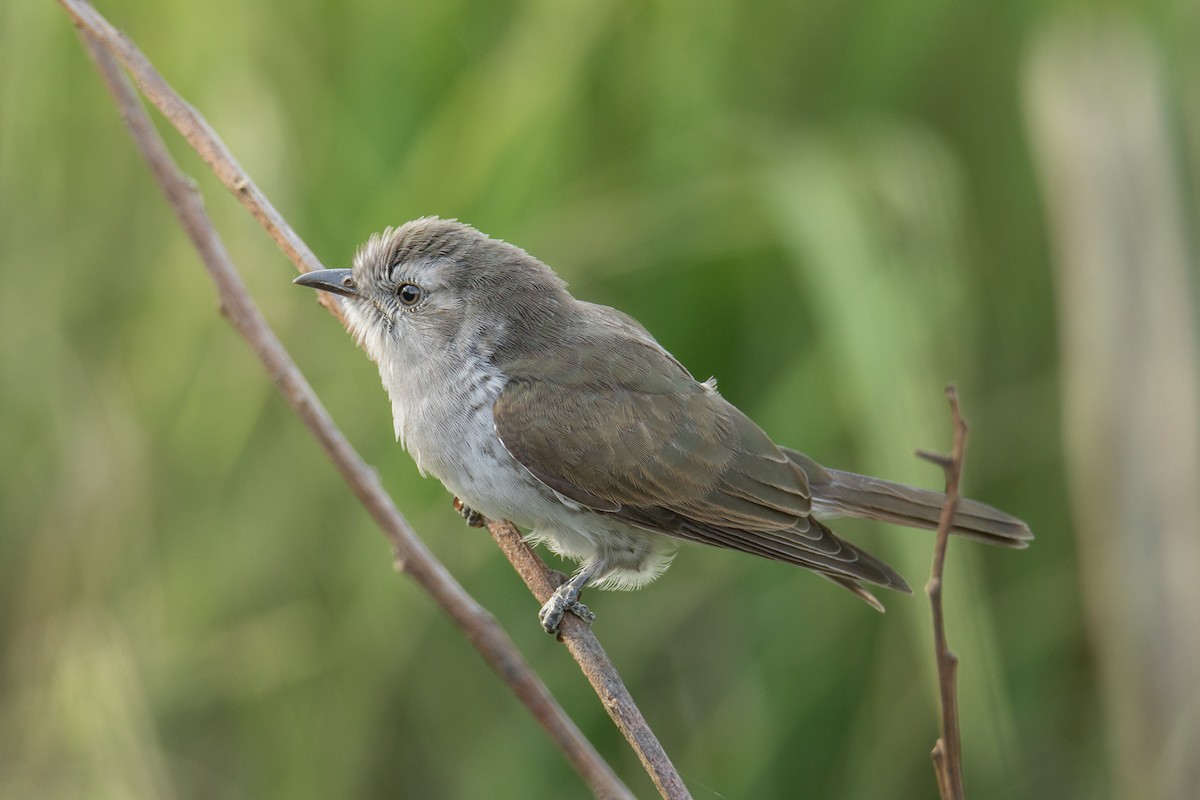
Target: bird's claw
(560,603)
(473,517)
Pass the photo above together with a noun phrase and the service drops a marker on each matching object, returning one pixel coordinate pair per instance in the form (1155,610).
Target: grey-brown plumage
(567,418)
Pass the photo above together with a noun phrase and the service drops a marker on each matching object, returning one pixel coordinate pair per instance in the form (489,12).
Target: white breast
(443,416)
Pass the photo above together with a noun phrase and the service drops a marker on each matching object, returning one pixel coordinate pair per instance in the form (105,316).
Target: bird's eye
(409,293)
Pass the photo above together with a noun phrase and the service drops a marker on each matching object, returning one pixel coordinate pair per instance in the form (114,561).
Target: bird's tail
(844,493)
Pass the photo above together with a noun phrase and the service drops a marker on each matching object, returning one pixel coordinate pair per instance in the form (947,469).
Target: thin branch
(409,552)
(580,641)
(585,648)
(947,751)
(200,135)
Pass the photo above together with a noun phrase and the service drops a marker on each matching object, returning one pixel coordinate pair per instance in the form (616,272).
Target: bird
(570,420)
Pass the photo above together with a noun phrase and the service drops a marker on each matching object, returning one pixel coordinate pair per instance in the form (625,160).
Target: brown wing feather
(623,429)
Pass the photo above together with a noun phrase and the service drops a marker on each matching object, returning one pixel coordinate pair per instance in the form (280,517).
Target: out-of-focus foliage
(830,207)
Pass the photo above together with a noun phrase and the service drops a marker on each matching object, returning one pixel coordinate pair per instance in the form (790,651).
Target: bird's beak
(338,281)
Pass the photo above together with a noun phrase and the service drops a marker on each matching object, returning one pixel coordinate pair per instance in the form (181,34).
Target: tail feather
(844,493)
(857,588)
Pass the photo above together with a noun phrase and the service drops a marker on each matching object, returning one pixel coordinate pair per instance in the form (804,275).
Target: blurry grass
(829,208)
(1100,120)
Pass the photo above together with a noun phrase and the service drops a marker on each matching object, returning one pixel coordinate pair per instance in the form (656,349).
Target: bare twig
(409,552)
(585,648)
(200,135)
(580,640)
(947,752)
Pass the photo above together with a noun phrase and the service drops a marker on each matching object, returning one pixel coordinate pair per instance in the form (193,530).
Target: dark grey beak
(338,281)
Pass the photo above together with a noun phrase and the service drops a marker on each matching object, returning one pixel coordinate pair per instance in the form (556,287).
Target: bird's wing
(623,429)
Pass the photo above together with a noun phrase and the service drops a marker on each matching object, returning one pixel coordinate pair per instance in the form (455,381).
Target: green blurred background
(834,208)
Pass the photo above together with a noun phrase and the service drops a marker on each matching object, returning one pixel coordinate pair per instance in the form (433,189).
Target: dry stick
(203,139)
(947,752)
(580,640)
(586,650)
(409,553)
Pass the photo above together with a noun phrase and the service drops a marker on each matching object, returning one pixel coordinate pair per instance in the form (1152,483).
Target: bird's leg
(473,517)
(566,598)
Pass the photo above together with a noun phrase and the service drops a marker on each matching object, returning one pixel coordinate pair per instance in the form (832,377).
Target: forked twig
(947,751)
(105,43)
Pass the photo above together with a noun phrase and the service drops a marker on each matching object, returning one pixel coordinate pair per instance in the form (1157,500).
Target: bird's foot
(564,599)
(473,517)
(552,613)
